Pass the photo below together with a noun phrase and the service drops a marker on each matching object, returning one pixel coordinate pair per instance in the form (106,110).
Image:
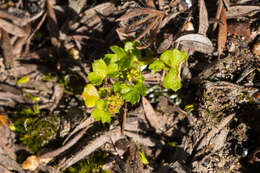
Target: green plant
(32,129)
(119,78)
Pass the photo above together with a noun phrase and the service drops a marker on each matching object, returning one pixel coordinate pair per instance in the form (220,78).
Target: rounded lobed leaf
(90,95)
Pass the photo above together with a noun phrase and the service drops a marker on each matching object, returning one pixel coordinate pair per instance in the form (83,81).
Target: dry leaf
(12,28)
(151,115)
(196,42)
(203,18)
(222,32)
(241,10)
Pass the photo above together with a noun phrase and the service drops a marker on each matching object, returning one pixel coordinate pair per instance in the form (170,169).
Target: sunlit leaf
(100,68)
(132,96)
(90,95)
(130,47)
(95,78)
(23,80)
(143,158)
(140,88)
(118,51)
(101,115)
(112,70)
(157,65)
(173,58)
(172,80)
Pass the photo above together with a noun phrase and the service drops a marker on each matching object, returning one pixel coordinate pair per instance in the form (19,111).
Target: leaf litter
(223,89)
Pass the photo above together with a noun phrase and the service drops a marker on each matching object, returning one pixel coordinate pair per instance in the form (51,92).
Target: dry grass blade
(203,17)
(150,26)
(140,11)
(133,26)
(222,34)
(7,50)
(113,135)
(52,25)
(220,6)
(12,28)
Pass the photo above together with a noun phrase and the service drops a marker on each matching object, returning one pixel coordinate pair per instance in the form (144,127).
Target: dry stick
(32,34)
(82,125)
(58,151)
(220,6)
(124,120)
(113,135)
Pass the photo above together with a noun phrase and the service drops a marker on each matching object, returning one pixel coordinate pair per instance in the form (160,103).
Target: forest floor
(211,124)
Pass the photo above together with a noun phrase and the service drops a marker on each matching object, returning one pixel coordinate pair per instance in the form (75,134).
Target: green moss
(32,129)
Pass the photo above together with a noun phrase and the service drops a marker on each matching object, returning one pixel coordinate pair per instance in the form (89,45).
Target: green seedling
(117,78)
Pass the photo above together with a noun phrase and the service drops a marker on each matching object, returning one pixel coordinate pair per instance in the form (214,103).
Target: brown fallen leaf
(222,32)
(151,115)
(203,18)
(12,28)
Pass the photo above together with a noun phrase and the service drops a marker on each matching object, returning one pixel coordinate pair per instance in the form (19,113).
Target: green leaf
(102,115)
(132,96)
(140,88)
(95,78)
(172,80)
(101,104)
(157,65)
(124,88)
(126,62)
(111,58)
(90,95)
(100,67)
(143,158)
(118,51)
(173,144)
(112,70)
(173,58)
(130,47)
(23,80)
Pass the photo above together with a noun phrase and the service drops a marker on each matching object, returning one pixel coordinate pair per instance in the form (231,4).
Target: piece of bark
(7,50)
